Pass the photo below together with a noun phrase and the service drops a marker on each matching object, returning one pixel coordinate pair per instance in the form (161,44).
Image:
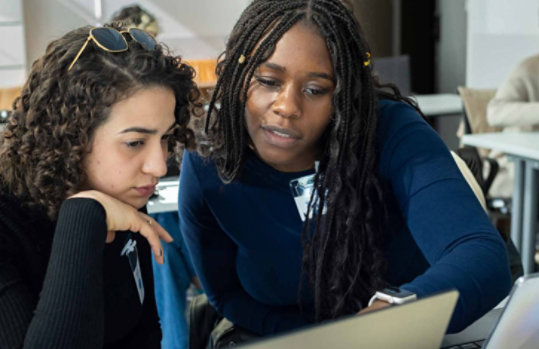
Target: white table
(523,149)
(167,198)
(439,104)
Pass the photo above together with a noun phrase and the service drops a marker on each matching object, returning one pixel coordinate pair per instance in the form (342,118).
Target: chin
(136,203)
(140,205)
(276,159)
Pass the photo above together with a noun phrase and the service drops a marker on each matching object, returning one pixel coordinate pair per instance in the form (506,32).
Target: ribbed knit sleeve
(69,312)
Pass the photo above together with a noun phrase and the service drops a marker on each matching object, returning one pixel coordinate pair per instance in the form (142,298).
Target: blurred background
(425,46)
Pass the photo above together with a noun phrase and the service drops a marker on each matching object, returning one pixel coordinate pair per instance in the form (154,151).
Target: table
(167,196)
(523,149)
(439,104)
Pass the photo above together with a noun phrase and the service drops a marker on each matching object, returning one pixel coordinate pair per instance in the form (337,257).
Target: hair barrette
(368,61)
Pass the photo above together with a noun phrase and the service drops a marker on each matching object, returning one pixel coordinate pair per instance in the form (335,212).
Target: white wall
(501,33)
(46,20)
(12,49)
(193,29)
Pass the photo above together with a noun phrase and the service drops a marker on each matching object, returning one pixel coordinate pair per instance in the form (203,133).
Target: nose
(155,162)
(287,104)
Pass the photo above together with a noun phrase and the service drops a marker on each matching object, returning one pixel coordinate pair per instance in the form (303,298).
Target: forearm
(478,269)
(70,310)
(464,250)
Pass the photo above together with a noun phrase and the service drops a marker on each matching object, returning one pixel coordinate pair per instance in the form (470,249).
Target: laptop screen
(518,327)
(415,325)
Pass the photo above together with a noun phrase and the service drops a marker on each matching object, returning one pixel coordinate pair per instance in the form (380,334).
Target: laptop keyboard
(472,345)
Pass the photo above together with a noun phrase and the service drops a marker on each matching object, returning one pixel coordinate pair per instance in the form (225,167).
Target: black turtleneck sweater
(61,286)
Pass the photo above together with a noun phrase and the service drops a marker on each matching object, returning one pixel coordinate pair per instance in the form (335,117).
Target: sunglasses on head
(112,40)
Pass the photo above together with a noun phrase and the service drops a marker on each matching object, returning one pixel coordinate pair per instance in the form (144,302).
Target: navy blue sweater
(245,237)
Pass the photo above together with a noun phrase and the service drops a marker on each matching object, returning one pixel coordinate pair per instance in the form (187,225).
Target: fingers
(163,234)
(111,235)
(153,232)
(121,216)
(148,232)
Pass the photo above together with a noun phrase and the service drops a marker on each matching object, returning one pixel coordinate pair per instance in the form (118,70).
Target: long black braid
(342,257)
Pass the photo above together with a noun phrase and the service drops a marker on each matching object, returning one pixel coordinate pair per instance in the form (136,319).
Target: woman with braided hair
(314,188)
(80,156)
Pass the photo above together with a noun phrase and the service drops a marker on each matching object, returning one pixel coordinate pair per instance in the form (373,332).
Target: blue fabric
(244,237)
(171,281)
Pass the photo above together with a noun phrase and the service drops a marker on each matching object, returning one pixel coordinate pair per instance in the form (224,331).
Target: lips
(146,190)
(280,137)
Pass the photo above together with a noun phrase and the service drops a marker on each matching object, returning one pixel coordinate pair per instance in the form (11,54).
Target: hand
(121,216)
(375,306)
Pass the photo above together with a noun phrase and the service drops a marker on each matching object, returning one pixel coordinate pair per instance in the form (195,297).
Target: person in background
(81,154)
(514,108)
(315,188)
(137,17)
(176,277)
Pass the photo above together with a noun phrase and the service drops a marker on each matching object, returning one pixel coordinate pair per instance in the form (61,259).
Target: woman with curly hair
(80,156)
(315,188)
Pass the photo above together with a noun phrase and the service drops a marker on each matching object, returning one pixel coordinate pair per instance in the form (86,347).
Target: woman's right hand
(121,216)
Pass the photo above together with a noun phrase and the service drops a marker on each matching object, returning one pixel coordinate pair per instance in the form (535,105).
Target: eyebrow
(283,69)
(146,130)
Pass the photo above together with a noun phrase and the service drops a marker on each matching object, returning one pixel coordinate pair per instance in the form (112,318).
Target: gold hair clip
(368,61)
(241,59)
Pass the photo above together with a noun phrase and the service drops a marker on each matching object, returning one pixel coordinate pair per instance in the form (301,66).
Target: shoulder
(404,139)
(195,160)
(10,216)
(194,164)
(25,238)
(527,67)
(396,118)
(15,215)
(391,110)
(198,175)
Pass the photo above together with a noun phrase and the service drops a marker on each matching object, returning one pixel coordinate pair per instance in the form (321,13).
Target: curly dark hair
(342,255)
(51,128)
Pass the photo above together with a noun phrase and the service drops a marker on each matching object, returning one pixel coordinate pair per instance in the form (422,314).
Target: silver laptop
(516,326)
(416,325)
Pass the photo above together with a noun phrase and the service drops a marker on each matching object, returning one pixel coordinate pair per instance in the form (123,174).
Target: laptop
(416,325)
(516,326)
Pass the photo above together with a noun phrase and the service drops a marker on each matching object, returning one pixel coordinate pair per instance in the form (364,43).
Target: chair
(470,179)
(484,168)
(470,165)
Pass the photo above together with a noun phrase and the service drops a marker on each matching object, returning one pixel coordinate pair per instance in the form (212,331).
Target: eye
(268,82)
(315,91)
(135,144)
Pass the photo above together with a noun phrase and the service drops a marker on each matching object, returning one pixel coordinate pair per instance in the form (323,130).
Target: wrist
(376,305)
(393,295)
